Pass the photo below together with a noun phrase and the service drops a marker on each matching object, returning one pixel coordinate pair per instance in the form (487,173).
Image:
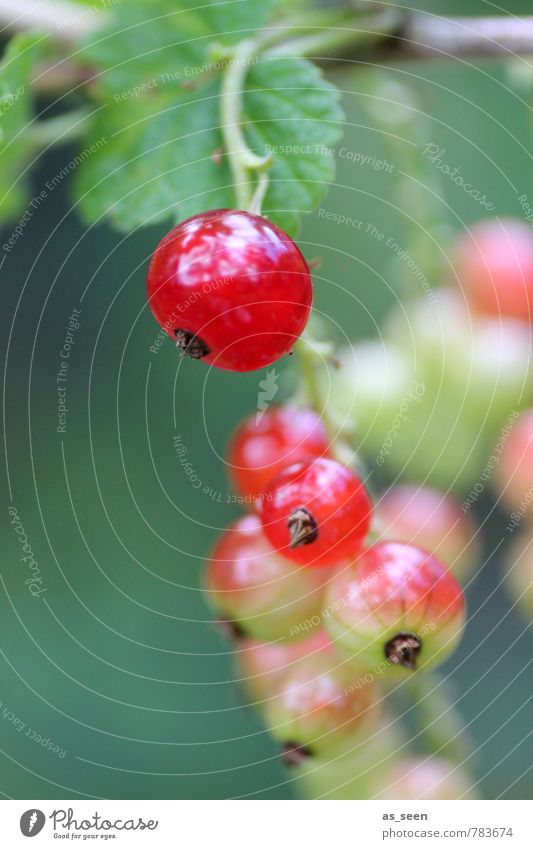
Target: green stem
(338,33)
(243,161)
(312,355)
(58,130)
(441,727)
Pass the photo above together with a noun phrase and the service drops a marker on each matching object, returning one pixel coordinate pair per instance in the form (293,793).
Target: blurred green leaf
(160,159)
(16,113)
(155,41)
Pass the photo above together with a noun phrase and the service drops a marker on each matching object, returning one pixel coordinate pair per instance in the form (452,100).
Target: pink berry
(264,444)
(261,665)
(316,512)
(494,264)
(266,595)
(514,472)
(397,604)
(432,520)
(315,710)
(231,288)
(519,573)
(424,778)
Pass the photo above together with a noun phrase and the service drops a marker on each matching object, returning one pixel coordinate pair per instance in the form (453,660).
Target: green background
(117,662)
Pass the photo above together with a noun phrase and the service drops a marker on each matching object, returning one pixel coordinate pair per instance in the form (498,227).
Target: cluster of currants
(326,598)
(324,609)
(454,361)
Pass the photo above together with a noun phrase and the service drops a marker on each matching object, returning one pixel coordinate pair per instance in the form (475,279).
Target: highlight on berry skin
(230,288)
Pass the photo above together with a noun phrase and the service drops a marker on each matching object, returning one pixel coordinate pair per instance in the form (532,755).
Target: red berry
(231,288)
(494,264)
(432,520)
(514,472)
(316,512)
(265,594)
(316,710)
(262,665)
(263,445)
(395,603)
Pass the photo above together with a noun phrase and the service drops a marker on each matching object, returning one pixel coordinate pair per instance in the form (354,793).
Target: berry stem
(312,355)
(243,161)
(442,731)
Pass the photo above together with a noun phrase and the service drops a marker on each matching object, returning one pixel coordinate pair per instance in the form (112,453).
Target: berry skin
(261,665)
(316,512)
(261,448)
(231,288)
(266,595)
(432,520)
(314,711)
(514,473)
(424,778)
(395,603)
(519,573)
(494,264)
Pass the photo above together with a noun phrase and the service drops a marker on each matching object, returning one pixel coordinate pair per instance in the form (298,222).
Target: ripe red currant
(266,595)
(395,603)
(231,288)
(494,264)
(316,512)
(262,446)
(432,520)
(261,665)
(314,709)
(514,472)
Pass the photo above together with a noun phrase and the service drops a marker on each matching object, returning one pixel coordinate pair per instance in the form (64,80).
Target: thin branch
(429,35)
(411,35)
(65,22)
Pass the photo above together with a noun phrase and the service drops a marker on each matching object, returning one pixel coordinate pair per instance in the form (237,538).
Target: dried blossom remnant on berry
(191,345)
(302,527)
(403,649)
(230,629)
(293,754)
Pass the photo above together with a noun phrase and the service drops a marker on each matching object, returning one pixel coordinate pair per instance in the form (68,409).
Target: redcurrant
(266,595)
(519,573)
(261,665)
(432,520)
(315,710)
(514,472)
(262,446)
(316,512)
(231,288)
(397,604)
(494,264)
(424,778)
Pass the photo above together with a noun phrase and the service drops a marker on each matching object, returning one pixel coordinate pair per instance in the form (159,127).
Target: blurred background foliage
(117,662)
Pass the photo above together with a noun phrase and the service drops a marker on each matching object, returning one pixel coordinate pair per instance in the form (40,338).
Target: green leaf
(158,160)
(16,113)
(293,111)
(164,41)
